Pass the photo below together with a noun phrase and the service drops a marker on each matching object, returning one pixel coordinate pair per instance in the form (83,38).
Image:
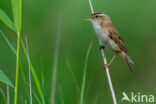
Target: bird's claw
(106,66)
(102,47)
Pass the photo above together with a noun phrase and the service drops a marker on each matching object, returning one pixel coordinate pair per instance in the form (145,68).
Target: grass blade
(55,62)
(29,71)
(3,94)
(8,42)
(87,90)
(43,80)
(35,95)
(31,66)
(27,85)
(32,69)
(84,75)
(33,74)
(96,98)
(72,74)
(17,13)
(5,79)
(25,101)
(8,95)
(4,17)
(61,95)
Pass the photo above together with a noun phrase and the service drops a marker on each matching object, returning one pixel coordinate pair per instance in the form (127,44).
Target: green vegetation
(135,21)
(5,79)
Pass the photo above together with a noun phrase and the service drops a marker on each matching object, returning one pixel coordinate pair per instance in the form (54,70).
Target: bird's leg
(102,47)
(106,65)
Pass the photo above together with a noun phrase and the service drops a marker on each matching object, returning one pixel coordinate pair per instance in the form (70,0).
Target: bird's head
(99,18)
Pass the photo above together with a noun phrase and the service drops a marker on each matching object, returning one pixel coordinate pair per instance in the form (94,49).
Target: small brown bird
(109,37)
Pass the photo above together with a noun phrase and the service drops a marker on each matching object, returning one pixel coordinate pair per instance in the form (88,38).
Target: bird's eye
(96,16)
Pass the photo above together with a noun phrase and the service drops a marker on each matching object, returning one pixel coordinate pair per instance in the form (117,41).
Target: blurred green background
(134,19)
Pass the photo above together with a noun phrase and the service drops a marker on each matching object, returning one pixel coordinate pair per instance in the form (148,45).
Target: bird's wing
(114,35)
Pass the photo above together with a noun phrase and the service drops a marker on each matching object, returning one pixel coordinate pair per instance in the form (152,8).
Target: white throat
(101,34)
(97,27)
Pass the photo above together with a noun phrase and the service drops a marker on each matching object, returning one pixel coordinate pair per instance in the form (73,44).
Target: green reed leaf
(5,79)
(4,17)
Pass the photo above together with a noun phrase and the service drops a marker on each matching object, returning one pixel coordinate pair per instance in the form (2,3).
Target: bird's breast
(103,36)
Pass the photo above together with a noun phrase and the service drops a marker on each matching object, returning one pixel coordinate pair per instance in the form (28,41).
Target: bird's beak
(90,19)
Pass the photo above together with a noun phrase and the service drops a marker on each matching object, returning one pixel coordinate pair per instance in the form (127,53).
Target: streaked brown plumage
(109,36)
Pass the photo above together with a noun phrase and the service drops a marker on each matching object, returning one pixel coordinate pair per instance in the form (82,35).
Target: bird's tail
(127,60)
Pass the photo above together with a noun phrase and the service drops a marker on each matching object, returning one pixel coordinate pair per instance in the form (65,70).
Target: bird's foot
(101,47)
(106,66)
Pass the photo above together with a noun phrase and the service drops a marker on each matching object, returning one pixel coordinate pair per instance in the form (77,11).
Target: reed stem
(17,68)
(105,62)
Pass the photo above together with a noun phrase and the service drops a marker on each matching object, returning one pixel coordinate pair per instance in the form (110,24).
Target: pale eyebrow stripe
(101,14)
